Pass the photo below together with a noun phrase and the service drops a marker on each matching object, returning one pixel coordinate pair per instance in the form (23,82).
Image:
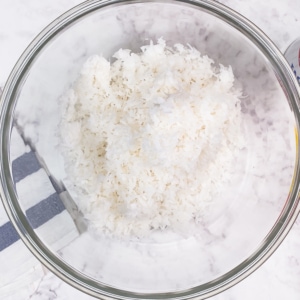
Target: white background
(277,279)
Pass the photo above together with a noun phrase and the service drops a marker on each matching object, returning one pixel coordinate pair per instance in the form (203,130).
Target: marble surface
(278,278)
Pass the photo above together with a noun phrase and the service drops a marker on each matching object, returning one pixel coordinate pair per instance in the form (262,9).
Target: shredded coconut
(149,138)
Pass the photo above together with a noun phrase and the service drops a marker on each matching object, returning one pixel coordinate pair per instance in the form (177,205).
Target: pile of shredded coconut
(149,139)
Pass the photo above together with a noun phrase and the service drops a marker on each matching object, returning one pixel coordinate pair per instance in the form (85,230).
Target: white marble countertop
(277,279)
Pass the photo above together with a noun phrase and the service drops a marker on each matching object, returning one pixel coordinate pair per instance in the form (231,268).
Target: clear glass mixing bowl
(255,211)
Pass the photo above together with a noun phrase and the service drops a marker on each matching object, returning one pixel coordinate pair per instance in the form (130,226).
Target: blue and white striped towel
(44,210)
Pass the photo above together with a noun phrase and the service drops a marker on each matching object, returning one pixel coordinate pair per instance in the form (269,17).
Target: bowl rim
(63,270)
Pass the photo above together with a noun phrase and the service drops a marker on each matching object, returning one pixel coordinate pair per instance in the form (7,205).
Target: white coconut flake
(150,138)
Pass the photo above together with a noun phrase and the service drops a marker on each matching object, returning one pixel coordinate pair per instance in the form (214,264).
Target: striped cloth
(45,212)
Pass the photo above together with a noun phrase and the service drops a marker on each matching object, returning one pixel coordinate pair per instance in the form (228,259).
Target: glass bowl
(248,221)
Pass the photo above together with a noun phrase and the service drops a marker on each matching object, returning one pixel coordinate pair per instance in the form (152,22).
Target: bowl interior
(239,221)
